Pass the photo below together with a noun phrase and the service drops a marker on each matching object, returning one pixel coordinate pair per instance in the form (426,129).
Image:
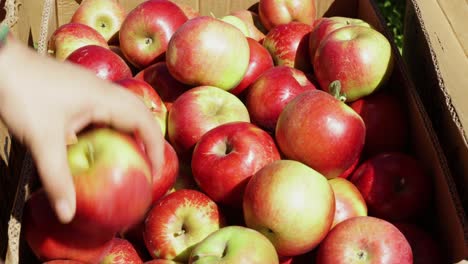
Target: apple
(169,174)
(104,63)
(179,221)
(238,23)
(116,49)
(325,25)
(49,239)
(288,44)
(105,16)
(260,61)
(198,110)
(207,51)
(120,251)
(167,87)
(226,157)
(105,159)
(161,261)
(150,98)
(383,136)
(364,239)
(321,131)
(291,204)
(272,91)
(253,23)
(423,245)
(189,11)
(233,245)
(348,200)
(273,12)
(72,36)
(145,32)
(360,58)
(394,185)
(63,261)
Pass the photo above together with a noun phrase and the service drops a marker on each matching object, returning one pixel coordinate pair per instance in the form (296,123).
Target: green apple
(234,245)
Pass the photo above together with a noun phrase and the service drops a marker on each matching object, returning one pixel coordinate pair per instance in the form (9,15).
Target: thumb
(50,155)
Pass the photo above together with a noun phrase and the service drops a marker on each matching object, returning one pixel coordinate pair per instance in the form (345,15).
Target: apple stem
(335,90)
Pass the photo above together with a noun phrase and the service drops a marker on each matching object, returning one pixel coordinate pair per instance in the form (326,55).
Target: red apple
(49,239)
(118,51)
(364,239)
(167,87)
(423,245)
(169,173)
(104,63)
(120,251)
(288,44)
(208,51)
(325,25)
(394,185)
(63,261)
(178,222)
(272,91)
(226,157)
(348,200)
(291,204)
(72,36)
(322,132)
(198,110)
(387,124)
(277,12)
(360,58)
(234,245)
(105,159)
(146,93)
(252,21)
(260,61)
(145,32)
(105,16)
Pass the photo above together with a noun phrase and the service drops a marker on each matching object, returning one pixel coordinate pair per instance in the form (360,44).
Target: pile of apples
(284,142)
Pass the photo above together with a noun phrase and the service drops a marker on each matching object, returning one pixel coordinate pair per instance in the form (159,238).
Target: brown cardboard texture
(435,50)
(446,218)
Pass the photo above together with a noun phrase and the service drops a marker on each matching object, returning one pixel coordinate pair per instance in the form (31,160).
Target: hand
(45,103)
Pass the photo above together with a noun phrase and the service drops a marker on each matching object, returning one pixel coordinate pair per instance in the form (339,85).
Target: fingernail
(63,210)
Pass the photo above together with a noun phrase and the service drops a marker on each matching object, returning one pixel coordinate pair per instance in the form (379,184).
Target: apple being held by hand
(394,186)
(105,16)
(198,110)
(103,62)
(272,91)
(260,61)
(72,36)
(321,131)
(348,200)
(146,93)
(325,25)
(234,245)
(145,32)
(178,222)
(227,156)
(273,12)
(364,239)
(207,51)
(288,44)
(105,159)
(291,204)
(360,58)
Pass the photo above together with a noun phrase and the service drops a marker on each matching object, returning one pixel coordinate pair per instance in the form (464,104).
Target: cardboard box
(446,219)
(435,50)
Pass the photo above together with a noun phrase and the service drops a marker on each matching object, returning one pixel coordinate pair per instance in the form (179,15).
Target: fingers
(50,155)
(126,112)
